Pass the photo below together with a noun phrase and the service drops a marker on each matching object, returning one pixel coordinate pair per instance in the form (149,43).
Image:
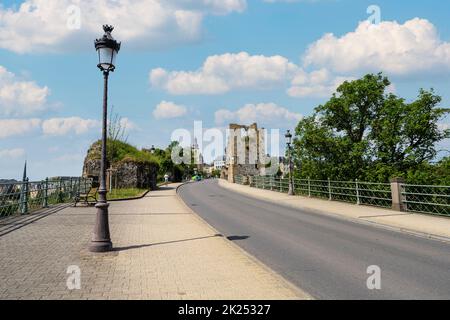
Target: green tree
(405,134)
(363,132)
(167,166)
(216,173)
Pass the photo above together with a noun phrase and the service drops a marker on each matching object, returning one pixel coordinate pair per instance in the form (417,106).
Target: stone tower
(245,149)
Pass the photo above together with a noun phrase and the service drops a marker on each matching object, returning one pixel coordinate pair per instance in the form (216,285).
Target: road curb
(298,291)
(131,198)
(359,221)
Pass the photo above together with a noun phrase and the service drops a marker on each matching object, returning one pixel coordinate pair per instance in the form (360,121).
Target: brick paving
(162,251)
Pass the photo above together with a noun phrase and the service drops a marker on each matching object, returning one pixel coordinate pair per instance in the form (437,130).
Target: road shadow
(119,249)
(237,238)
(165,188)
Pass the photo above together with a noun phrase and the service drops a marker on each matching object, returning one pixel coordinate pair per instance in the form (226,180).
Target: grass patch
(118,194)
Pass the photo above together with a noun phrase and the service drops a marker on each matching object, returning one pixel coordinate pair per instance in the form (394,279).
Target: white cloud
(127,124)
(18,97)
(169,110)
(397,49)
(43,25)
(12,153)
(320,83)
(222,73)
(64,126)
(16,127)
(411,48)
(218,7)
(54,126)
(263,113)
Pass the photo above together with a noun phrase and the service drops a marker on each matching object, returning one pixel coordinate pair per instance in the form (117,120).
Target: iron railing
(415,198)
(426,199)
(239,179)
(26,196)
(358,192)
(270,183)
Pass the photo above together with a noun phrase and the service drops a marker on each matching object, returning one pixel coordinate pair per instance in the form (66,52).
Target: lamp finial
(108,28)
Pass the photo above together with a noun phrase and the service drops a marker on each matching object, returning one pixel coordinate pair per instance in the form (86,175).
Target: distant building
(219,164)
(7,186)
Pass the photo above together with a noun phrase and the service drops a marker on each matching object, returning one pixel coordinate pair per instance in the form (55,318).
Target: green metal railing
(416,198)
(270,183)
(26,196)
(364,193)
(239,179)
(358,192)
(427,199)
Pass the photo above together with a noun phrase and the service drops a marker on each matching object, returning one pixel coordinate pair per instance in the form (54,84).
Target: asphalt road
(325,256)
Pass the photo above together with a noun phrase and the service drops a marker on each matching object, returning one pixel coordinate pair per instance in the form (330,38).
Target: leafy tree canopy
(364,132)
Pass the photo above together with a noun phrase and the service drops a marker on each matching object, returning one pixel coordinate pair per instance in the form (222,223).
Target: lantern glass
(288,137)
(106,58)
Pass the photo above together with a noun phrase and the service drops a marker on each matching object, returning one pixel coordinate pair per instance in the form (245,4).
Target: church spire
(24,172)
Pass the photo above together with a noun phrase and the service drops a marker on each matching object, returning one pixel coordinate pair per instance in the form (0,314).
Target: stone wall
(130,174)
(127,174)
(91,168)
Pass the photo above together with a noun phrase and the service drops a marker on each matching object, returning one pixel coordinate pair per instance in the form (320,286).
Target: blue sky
(214,61)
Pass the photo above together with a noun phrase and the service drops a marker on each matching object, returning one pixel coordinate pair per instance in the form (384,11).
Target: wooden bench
(87,190)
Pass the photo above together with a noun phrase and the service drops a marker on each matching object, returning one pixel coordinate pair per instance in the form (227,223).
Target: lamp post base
(101,241)
(99,247)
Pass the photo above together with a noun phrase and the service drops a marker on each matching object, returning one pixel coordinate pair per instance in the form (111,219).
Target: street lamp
(289,144)
(107,49)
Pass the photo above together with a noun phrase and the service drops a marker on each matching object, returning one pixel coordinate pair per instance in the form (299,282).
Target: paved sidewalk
(424,225)
(162,251)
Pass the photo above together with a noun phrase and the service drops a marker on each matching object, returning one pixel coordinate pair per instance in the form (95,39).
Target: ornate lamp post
(107,49)
(289,144)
